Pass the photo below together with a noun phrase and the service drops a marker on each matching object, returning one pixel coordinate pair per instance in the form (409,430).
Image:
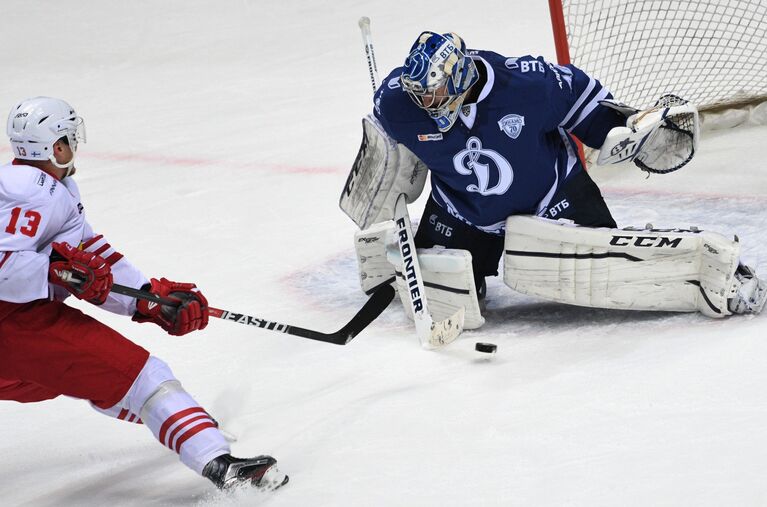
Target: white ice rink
(219,137)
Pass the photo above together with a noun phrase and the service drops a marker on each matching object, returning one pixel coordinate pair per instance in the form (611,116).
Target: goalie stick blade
(444,332)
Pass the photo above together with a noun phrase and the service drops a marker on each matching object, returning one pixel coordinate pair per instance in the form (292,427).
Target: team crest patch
(430,137)
(512,125)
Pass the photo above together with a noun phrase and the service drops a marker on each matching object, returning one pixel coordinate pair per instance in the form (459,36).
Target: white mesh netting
(711,52)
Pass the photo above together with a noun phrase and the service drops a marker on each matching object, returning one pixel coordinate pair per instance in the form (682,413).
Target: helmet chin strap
(69,166)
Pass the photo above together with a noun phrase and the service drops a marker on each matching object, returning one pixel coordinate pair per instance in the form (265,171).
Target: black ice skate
(751,293)
(228,472)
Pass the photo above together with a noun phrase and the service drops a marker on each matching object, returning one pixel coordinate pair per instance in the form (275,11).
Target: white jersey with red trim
(36,210)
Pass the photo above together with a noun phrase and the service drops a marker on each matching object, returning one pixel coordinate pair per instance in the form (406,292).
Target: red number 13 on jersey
(32,222)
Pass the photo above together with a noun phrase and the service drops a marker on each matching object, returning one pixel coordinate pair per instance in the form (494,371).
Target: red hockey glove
(84,274)
(190,315)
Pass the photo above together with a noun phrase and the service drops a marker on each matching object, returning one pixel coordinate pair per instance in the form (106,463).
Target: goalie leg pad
(373,267)
(449,282)
(638,269)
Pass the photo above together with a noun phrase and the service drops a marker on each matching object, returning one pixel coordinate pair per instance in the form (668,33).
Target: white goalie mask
(35,124)
(437,75)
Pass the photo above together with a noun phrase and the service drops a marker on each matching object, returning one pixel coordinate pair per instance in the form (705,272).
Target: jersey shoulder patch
(23,183)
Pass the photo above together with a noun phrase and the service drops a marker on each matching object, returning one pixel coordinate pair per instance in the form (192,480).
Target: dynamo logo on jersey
(468,161)
(512,124)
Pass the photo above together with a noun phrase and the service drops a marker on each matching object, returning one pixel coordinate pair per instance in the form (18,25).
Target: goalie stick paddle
(431,334)
(376,304)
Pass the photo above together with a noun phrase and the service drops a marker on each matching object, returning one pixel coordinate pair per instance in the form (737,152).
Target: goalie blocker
(636,269)
(381,172)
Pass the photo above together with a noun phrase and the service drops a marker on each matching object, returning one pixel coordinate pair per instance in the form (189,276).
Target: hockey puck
(487,348)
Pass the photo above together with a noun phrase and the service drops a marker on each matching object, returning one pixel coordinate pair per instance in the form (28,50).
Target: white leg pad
(637,269)
(373,267)
(449,282)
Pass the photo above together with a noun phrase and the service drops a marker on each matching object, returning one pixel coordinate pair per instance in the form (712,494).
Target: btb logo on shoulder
(512,124)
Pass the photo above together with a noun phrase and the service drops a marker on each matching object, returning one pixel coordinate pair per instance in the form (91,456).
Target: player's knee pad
(154,374)
(449,282)
(370,244)
(638,269)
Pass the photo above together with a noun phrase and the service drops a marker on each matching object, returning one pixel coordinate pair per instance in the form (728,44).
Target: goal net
(711,52)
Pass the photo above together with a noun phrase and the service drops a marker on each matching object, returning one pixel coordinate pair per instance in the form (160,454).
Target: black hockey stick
(376,304)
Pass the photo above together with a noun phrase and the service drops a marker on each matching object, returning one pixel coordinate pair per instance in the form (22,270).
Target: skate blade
(272,479)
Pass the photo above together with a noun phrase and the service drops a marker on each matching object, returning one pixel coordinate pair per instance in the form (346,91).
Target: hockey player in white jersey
(48,251)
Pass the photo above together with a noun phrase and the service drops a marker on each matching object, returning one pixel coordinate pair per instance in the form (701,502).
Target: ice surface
(219,137)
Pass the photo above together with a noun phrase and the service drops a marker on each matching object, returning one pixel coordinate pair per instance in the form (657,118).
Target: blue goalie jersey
(509,152)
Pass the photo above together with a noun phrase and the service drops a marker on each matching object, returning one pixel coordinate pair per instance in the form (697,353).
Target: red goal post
(711,52)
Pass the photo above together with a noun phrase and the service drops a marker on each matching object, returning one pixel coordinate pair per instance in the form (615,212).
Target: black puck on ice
(488,348)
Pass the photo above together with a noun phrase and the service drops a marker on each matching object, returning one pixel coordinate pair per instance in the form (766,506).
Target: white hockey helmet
(35,124)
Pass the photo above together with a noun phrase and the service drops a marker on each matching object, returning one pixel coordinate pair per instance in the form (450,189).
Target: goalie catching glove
(84,274)
(658,140)
(191,314)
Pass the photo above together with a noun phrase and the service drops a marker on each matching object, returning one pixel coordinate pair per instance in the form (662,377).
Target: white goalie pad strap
(449,283)
(382,171)
(370,245)
(660,139)
(637,269)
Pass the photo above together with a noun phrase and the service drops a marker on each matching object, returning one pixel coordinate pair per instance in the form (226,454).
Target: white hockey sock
(173,416)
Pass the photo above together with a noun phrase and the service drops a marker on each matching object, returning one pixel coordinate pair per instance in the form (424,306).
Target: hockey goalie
(497,134)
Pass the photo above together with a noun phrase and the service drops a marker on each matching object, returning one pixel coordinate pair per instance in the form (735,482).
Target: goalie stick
(376,304)
(431,334)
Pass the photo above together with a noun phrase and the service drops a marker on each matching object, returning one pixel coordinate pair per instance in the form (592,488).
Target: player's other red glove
(86,275)
(190,315)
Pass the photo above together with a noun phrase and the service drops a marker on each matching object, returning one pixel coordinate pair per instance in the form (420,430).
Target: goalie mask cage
(711,52)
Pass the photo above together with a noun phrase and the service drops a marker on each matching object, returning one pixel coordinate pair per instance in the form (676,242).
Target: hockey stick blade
(446,331)
(374,306)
